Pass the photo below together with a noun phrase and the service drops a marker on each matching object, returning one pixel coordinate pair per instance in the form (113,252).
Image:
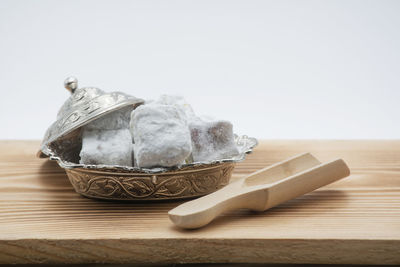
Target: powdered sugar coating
(179,102)
(161,136)
(166,133)
(212,140)
(118,119)
(108,147)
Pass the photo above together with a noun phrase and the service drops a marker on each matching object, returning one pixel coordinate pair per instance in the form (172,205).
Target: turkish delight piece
(108,147)
(179,102)
(118,119)
(161,136)
(212,140)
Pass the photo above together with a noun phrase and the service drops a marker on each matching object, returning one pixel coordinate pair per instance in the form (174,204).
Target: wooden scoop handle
(199,212)
(196,213)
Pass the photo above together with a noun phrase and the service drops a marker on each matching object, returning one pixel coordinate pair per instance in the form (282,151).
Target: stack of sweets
(162,133)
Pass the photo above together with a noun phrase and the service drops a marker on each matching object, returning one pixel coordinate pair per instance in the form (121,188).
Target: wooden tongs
(261,190)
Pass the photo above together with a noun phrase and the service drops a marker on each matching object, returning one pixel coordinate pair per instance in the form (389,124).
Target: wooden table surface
(355,220)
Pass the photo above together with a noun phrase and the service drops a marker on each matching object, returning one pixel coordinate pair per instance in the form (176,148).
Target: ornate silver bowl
(186,182)
(62,142)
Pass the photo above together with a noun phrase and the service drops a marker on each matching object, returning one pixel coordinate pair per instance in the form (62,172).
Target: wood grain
(353,221)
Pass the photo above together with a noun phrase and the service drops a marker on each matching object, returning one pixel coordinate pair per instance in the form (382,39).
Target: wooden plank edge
(167,250)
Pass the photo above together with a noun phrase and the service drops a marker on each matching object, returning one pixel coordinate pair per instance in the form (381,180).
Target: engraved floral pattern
(81,108)
(120,186)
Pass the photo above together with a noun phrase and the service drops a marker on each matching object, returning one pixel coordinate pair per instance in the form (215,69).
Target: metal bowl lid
(83,106)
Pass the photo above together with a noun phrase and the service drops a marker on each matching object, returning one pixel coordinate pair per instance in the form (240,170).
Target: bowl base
(184,183)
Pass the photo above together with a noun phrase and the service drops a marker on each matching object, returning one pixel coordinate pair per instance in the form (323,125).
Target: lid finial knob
(71,84)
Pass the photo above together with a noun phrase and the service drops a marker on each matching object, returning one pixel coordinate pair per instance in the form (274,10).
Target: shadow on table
(317,203)
(53,177)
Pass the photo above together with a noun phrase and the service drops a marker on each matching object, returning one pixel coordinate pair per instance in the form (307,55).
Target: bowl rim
(245,144)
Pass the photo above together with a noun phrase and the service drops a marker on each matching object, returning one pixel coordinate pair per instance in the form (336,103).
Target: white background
(276,69)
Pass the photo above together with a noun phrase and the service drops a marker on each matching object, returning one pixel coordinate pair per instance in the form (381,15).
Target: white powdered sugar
(212,140)
(118,119)
(161,136)
(107,140)
(179,102)
(108,147)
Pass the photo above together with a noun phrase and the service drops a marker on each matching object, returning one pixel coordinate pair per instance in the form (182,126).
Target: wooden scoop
(261,190)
